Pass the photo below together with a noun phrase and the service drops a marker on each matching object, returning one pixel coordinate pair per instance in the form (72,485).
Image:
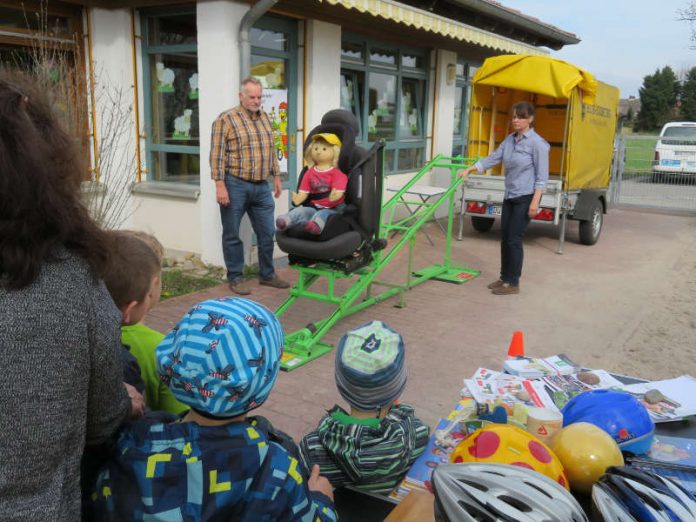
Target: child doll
(322,188)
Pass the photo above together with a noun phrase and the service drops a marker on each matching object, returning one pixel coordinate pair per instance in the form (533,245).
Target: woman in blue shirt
(525,156)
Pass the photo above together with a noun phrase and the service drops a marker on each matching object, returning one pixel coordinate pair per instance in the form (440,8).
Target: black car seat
(349,237)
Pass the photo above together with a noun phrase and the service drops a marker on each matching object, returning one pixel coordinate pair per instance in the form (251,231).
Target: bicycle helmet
(585,451)
(626,494)
(618,413)
(506,444)
(475,492)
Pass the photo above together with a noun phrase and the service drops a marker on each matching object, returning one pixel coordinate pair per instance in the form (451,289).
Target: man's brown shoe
(506,289)
(275,282)
(240,287)
(496,284)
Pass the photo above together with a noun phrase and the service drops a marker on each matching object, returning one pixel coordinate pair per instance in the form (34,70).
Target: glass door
(273,63)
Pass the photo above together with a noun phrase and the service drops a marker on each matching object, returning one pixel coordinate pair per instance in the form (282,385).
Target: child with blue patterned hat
(216,462)
(372,446)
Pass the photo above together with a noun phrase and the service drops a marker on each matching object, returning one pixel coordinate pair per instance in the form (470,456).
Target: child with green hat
(374,445)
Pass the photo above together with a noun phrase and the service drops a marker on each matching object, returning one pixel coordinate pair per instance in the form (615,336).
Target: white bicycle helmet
(477,492)
(626,494)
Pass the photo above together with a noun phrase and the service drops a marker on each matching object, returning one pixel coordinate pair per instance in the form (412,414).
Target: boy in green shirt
(134,282)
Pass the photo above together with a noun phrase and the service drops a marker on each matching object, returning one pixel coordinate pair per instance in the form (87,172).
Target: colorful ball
(506,444)
(585,451)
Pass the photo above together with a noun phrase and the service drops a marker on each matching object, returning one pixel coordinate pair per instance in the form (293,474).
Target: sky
(622,41)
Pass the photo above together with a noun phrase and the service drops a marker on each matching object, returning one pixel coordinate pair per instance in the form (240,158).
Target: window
(465,73)
(170,73)
(273,55)
(385,87)
(44,40)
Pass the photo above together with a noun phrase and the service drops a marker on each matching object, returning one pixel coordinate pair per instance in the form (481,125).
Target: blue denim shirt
(526,163)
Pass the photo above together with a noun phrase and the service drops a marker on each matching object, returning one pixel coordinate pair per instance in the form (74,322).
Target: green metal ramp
(304,345)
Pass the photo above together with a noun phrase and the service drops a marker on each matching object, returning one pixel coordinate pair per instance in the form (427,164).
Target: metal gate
(639,179)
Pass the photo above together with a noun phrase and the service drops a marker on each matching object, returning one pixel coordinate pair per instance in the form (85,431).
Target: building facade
(403,69)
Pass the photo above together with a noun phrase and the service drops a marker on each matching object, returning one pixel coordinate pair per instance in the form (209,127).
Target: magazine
(533,368)
(490,388)
(674,452)
(679,397)
(420,473)
(562,388)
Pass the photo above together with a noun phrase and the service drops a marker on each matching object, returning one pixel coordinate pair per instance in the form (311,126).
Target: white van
(675,151)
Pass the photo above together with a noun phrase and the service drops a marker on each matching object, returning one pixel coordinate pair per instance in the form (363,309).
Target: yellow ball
(585,451)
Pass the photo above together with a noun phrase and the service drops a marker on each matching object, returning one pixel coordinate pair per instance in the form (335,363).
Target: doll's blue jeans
(301,215)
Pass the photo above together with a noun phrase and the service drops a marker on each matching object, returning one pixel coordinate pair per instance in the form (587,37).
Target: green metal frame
(304,345)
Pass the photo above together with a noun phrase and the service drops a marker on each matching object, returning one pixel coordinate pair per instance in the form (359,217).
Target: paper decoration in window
(182,125)
(165,78)
(193,85)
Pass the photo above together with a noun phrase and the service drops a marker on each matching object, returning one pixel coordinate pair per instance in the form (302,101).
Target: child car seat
(349,237)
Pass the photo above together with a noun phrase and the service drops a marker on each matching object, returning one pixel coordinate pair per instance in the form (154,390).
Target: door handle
(293,141)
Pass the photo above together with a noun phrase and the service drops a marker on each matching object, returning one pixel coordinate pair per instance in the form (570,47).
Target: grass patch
(640,155)
(179,282)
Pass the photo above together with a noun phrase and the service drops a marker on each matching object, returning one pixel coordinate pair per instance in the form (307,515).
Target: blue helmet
(618,413)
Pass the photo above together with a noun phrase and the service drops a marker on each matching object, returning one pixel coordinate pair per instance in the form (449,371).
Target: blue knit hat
(370,366)
(222,359)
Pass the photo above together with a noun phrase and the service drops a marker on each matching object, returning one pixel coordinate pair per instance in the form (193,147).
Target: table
(356,505)
(425,193)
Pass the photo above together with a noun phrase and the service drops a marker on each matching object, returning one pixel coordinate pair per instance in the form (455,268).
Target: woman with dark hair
(60,361)
(525,156)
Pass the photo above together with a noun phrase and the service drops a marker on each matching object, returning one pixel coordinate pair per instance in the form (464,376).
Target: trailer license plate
(494,210)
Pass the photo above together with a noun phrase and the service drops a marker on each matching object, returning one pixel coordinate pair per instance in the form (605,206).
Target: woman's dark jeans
(514,221)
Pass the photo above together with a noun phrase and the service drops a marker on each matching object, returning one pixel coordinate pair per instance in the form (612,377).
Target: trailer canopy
(574,112)
(537,74)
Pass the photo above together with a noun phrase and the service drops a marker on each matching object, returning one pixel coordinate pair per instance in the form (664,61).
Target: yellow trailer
(575,113)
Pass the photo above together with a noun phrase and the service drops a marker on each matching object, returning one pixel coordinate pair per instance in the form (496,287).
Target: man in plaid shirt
(242,157)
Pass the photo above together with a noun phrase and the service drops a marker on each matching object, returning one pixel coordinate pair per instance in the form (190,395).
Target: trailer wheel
(590,229)
(481,224)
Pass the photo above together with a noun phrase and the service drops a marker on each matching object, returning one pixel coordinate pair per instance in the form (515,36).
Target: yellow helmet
(505,444)
(586,451)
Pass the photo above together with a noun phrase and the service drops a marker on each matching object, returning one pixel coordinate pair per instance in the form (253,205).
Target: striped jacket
(242,145)
(371,454)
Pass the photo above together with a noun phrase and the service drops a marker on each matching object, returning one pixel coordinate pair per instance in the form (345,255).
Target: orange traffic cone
(516,345)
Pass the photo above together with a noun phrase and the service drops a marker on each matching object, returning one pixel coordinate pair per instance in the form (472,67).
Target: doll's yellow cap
(328,138)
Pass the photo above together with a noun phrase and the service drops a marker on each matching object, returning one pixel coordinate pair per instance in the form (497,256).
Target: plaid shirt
(242,145)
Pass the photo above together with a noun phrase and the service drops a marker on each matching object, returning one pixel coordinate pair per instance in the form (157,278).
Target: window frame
(460,135)
(365,66)
(147,51)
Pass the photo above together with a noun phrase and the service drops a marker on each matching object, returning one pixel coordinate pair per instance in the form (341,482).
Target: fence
(641,179)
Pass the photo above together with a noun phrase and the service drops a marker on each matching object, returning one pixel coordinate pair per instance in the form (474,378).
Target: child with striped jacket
(372,446)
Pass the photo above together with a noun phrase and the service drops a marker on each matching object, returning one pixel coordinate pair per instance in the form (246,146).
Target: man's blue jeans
(513,223)
(256,200)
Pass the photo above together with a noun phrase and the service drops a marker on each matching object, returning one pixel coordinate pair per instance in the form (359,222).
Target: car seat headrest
(345,133)
(342,117)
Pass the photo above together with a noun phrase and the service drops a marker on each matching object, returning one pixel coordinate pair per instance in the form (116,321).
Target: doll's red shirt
(317,181)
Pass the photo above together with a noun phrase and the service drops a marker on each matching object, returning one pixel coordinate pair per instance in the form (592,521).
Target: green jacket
(141,341)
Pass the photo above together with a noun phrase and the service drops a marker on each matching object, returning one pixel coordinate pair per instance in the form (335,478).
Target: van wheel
(591,229)
(481,224)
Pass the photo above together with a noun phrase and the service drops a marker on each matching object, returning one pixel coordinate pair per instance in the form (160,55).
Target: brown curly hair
(41,166)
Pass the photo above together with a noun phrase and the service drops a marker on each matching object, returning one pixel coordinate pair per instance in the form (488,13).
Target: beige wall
(175,222)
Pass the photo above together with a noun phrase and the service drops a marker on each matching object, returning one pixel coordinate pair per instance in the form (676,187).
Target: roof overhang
(416,18)
(553,37)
